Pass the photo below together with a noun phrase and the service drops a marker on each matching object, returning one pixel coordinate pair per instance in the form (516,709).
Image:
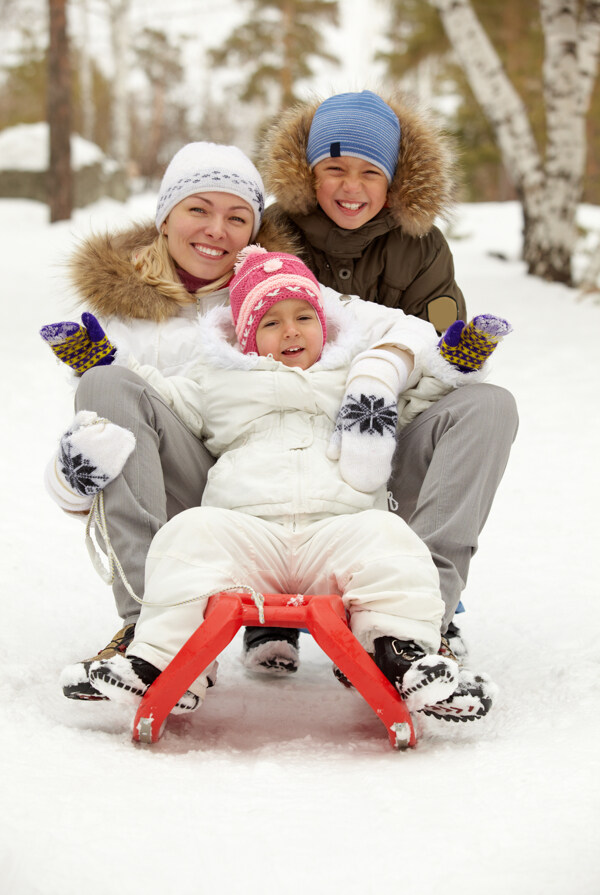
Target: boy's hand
(80,346)
(364,438)
(468,347)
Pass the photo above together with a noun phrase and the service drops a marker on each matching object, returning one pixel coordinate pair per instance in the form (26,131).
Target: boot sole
(106,680)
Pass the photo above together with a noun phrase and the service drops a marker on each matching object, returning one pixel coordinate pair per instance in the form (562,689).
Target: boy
(358,183)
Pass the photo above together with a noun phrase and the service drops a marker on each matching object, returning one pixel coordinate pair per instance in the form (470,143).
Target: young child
(359,182)
(297,499)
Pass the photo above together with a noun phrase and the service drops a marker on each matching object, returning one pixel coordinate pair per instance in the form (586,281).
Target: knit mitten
(79,345)
(364,438)
(90,455)
(468,347)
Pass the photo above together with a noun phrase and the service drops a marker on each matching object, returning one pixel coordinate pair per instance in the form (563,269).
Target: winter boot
(471,700)
(271,650)
(455,641)
(126,679)
(75,679)
(420,678)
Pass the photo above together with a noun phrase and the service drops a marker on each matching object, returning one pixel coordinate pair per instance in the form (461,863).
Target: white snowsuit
(276,514)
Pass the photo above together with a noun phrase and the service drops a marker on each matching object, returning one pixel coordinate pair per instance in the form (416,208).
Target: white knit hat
(210,168)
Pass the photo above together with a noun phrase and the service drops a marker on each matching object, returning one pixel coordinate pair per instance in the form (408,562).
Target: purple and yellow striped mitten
(468,347)
(79,345)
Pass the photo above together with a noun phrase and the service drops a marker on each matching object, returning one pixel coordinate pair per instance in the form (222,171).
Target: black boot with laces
(420,678)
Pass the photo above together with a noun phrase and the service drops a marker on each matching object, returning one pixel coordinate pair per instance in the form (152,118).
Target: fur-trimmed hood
(107,284)
(424,184)
(221,349)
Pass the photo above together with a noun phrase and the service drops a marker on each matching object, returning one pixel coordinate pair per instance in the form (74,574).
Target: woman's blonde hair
(156,268)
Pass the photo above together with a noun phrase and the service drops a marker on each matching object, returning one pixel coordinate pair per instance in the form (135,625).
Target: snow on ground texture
(26,147)
(291,785)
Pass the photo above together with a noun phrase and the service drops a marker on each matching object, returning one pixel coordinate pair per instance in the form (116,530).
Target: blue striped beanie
(361,125)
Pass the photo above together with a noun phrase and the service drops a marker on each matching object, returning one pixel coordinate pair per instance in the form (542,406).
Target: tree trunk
(287,81)
(590,282)
(119,33)
(157,126)
(549,191)
(60,182)
(88,116)
(552,233)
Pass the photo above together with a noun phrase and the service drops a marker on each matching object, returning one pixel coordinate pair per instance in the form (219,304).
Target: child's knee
(102,389)
(193,529)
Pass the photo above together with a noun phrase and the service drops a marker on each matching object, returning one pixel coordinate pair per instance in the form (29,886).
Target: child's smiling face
(349,190)
(291,332)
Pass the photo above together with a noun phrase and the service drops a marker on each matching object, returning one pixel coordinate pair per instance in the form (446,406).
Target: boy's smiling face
(291,332)
(349,190)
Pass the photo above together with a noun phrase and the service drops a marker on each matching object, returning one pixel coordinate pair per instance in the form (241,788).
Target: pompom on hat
(261,280)
(360,125)
(210,168)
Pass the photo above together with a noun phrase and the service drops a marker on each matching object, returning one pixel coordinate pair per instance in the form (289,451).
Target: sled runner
(322,614)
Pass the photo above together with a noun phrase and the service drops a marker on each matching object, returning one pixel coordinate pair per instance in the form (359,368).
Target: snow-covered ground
(291,786)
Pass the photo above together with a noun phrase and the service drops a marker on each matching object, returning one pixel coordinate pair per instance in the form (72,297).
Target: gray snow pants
(447,467)
(448,464)
(165,474)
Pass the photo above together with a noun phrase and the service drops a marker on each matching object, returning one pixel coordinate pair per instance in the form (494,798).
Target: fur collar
(107,284)
(221,349)
(423,187)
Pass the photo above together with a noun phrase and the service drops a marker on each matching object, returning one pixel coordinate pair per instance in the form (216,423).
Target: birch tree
(549,184)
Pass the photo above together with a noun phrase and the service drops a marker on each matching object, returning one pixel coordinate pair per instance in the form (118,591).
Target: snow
(25,147)
(291,785)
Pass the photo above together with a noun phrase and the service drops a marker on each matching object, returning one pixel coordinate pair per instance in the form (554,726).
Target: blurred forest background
(142,77)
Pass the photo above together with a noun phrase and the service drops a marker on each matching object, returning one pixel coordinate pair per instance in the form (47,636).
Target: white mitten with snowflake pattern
(364,438)
(91,453)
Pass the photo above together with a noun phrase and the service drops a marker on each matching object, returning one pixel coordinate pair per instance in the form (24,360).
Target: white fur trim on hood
(439,367)
(221,349)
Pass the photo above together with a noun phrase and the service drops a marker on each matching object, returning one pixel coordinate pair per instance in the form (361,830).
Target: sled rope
(97,518)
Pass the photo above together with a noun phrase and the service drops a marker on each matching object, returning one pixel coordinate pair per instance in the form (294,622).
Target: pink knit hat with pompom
(263,278)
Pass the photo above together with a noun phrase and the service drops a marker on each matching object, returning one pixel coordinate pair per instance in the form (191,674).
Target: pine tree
(60,179)
(160,61)
(276,45)
(23,85)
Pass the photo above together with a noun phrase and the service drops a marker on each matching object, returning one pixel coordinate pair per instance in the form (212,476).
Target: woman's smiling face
(206,231)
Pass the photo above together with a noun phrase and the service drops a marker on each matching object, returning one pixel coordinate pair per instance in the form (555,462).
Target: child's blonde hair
(156,268)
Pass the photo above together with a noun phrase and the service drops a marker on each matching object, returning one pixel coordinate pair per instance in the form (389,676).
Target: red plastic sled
(324,616)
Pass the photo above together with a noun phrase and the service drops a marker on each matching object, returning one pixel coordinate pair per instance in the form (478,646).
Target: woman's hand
(91,454)
(79,345)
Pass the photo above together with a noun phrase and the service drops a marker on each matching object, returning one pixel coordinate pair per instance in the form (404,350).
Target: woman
(148,291)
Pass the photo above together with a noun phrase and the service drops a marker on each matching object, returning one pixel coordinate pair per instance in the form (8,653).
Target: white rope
(97,517)
(392,502)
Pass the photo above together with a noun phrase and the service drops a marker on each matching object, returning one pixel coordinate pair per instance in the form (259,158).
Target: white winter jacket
(269,424)
(169,345)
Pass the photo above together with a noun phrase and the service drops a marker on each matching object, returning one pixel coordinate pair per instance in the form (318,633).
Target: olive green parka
(399,258)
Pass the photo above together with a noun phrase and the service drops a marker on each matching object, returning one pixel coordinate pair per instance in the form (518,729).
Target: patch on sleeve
(442,312)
